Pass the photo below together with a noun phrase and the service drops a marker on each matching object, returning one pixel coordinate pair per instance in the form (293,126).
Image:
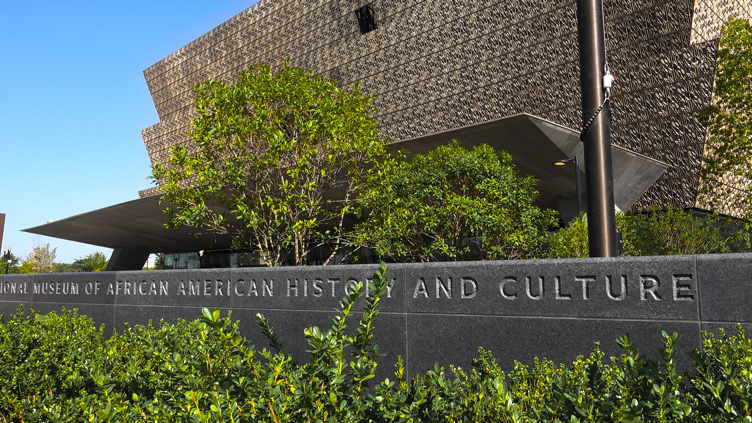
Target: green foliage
(279,157)
(95,262)
(729,119)
(47,358)
(724,377)
(59,368)
(674,231)
(452,204)
(572,240)
(659,232)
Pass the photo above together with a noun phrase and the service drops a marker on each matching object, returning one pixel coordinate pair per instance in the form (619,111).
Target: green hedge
(61,368)
(670,231)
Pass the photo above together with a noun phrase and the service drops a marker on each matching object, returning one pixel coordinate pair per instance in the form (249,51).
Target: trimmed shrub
(659,232)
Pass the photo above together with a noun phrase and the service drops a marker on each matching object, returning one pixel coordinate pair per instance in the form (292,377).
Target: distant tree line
(41,259)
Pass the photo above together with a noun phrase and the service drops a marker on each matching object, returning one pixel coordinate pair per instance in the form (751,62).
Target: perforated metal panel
(433,65)
(710,15)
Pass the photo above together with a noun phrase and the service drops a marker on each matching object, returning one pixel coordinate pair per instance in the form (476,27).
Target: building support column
(127,259)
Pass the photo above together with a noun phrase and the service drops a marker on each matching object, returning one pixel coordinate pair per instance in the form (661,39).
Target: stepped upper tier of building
(438,65)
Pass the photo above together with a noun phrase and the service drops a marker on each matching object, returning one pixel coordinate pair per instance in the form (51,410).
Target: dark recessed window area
(366,19)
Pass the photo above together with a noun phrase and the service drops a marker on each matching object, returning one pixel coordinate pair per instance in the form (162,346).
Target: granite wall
(438,312)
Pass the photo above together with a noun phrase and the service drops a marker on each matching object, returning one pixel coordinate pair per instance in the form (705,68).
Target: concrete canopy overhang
(534,144)
(133,225)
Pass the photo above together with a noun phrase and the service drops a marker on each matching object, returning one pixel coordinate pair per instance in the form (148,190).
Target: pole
(578,184)
(596,134)
(2,228)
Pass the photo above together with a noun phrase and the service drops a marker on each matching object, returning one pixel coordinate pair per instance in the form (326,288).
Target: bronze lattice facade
(433,65)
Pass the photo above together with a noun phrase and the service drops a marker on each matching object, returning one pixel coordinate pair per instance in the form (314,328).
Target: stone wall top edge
(399,266)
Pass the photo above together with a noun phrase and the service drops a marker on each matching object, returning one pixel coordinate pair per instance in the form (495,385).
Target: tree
(9,262)
(280,156)
(41,259)
(727,170)
(95,262)
(450,204)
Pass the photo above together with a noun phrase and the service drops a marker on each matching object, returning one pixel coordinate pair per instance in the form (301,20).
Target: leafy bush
(46,358)
(659,232)
(59,368)
(452,204)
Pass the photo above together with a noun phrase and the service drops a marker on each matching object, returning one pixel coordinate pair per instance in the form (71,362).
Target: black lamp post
(575,164)
(595,81)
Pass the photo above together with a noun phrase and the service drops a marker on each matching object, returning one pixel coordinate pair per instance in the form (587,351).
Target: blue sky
(73,101)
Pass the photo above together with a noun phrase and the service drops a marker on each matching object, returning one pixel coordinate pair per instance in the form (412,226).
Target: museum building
(500,72)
